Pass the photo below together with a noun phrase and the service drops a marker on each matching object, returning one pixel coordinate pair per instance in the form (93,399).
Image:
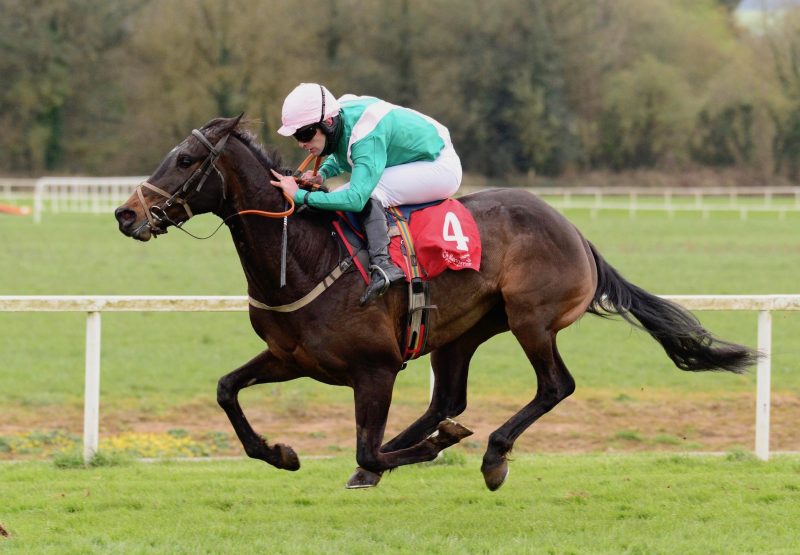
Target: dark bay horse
(538,276)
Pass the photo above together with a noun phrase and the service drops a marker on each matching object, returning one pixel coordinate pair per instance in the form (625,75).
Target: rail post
(38,201)
(91,395)
(763,384)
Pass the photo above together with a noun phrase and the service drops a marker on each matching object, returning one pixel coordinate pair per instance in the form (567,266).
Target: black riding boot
(383,272)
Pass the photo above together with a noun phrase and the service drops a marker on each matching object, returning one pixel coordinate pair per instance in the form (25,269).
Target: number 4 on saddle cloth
(426,240)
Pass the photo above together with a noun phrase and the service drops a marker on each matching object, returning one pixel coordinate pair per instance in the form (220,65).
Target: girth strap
(326,282)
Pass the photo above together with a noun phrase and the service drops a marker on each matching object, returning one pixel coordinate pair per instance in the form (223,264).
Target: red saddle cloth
(445,237)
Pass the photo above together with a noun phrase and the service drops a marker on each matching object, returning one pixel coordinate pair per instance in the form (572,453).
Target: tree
(525,86)
(781,46)
(54,58)
(221,59)
(668,55)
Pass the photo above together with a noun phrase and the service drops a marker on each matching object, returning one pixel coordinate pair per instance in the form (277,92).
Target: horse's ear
(230,124)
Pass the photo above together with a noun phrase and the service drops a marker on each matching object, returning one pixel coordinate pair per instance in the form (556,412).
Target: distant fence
(103,194)
(704,200)
(81,194)
(13,187)
(93,306)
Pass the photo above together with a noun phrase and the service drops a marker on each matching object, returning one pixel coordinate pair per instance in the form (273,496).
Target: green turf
(84,254)
(550,504)
(173,358)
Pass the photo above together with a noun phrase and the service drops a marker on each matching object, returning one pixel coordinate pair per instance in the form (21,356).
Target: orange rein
(301,168)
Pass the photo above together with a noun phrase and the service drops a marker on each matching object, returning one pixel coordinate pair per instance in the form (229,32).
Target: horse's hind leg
(554,383)
(265,368)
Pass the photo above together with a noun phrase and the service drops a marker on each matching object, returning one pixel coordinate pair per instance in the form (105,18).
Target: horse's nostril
(124,215)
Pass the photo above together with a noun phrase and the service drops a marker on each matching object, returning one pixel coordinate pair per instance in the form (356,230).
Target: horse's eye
(185,161)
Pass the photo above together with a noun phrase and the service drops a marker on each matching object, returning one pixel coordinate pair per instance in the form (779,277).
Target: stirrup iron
(386,281)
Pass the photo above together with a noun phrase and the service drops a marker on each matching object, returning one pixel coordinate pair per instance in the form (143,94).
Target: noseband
(157,214)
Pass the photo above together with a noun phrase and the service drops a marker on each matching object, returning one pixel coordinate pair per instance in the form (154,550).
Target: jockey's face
(315,145)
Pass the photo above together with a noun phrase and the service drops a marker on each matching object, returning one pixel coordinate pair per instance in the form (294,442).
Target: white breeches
(420,182)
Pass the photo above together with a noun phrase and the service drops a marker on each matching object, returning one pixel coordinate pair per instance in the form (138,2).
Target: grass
(550,504)
(153,362)
(80,254)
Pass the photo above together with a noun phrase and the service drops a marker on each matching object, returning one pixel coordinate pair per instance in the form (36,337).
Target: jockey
(394,156)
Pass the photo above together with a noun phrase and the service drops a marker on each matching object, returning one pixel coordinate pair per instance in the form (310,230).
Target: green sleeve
(369,161)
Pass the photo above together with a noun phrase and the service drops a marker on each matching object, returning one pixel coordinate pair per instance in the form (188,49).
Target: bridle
(157,214)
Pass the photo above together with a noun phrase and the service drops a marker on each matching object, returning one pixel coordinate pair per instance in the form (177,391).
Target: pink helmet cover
(304,106)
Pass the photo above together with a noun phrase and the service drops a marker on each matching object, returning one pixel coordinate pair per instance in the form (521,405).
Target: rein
(289,211)
(157,214)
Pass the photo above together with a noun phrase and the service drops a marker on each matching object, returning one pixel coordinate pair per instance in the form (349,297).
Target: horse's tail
(685,340)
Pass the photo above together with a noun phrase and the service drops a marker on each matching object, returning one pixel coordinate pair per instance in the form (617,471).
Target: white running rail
(780,200)
(93,306)
(81,194)
(703,200)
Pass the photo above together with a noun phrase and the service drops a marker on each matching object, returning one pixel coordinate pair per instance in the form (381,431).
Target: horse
(538,275)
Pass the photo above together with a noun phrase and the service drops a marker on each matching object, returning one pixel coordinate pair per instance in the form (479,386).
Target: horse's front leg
(265,368)
(449,399)
(450,365)
(373,395)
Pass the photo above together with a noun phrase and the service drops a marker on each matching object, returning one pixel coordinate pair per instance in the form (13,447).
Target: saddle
(425,240)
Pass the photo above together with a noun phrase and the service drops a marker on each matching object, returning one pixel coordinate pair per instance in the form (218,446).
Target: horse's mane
(269,158)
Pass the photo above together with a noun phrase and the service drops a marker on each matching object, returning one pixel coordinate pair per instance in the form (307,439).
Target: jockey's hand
(285,182)
(311,178)
(310,182)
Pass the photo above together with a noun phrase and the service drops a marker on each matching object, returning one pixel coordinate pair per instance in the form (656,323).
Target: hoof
(495,475)
(452,429)
(449,432)
(287,458)
(362,478)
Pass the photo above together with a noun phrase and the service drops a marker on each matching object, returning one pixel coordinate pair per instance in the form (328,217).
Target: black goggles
(306,133)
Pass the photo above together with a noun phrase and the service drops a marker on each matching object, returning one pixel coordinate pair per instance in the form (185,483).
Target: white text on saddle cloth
(445,237)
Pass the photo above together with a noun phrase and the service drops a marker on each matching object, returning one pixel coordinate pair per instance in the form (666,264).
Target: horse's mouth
(145,232)
(142,233)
